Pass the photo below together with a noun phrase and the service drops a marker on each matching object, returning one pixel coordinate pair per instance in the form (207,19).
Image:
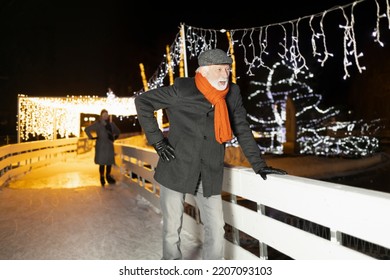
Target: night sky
(77,47)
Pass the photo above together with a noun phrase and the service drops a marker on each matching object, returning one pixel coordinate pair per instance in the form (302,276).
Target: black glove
(164,150)
(269,170)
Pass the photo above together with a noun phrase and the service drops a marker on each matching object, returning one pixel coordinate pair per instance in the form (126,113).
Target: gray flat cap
(214,57)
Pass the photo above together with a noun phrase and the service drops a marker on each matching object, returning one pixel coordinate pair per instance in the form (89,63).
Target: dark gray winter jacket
(191,133)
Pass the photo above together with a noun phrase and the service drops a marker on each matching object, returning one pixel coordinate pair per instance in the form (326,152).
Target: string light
(256,51)
(48,116)
(310,118)
(318,132)
(376,32)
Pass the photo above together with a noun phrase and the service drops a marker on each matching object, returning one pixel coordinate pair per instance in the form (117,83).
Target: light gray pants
(211,214)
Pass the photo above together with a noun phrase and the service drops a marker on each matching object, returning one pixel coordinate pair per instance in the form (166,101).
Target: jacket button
(205,137)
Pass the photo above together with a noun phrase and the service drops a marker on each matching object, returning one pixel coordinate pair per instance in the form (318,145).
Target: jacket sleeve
(89,129)
(115,130)
(147,103)
(242,130)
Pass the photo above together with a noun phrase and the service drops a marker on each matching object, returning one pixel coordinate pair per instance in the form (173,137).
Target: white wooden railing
(286,216)
(17,159)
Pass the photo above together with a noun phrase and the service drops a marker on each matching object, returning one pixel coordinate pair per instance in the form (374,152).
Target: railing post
(335,236)
(235,232)
(263,249)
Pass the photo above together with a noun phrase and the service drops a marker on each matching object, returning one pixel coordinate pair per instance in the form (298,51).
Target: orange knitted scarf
(223,131)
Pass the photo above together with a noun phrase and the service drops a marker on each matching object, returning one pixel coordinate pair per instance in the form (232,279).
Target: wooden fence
(285,217)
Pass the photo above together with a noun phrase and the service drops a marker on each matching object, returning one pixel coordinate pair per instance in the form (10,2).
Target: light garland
(350,48)
(318,132)
(254,42)
(48,117)
(310,118)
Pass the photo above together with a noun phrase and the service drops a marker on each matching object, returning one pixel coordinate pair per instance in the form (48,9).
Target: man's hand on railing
(164,150)
(270,170)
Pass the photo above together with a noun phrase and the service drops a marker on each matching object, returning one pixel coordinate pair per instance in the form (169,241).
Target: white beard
(219,85)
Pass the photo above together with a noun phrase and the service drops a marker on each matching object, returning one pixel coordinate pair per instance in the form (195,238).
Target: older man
(204,112)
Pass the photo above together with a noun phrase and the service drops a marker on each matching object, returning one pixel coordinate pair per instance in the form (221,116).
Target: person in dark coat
(106,133)
(203,111)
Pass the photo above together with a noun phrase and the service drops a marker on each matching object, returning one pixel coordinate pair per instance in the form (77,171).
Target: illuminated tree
(319,131)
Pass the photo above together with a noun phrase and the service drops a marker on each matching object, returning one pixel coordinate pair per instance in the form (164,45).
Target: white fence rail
(285,216)
(17,159)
